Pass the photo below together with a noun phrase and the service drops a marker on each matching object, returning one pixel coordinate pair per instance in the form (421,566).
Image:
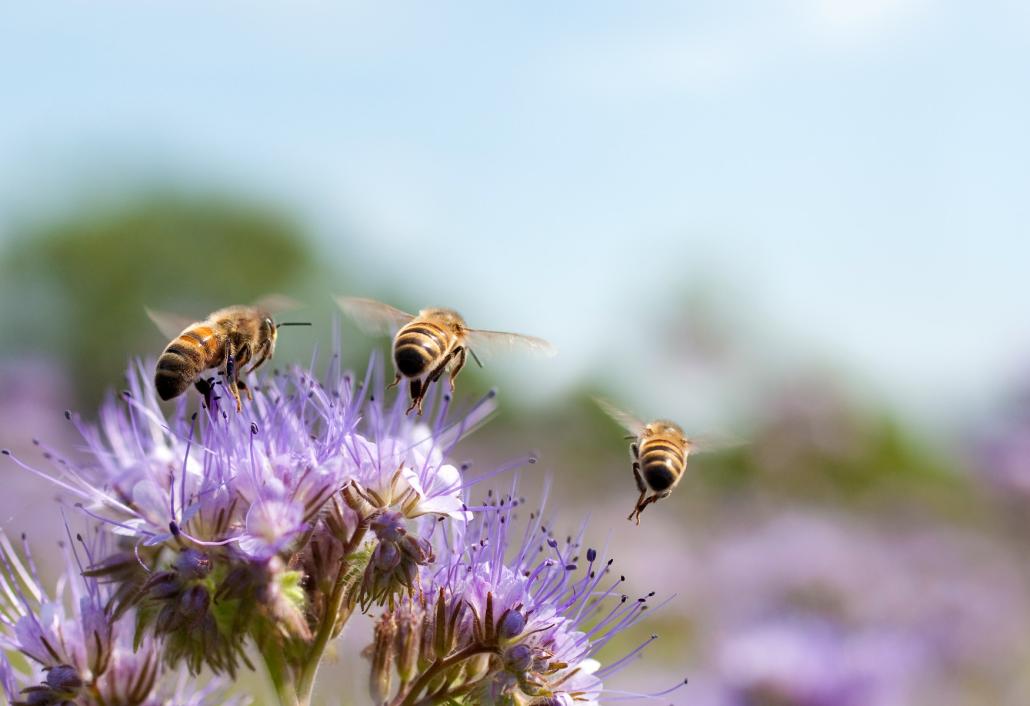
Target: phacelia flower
(507,620)
(80,653)
(267,525)
(226,534)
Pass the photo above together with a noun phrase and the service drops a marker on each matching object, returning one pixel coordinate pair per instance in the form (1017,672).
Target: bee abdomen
(662,463)
(182,361)
(416,347)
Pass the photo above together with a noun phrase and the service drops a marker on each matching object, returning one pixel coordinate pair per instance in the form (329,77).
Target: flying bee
(228,339)
(432,343)
(659,451)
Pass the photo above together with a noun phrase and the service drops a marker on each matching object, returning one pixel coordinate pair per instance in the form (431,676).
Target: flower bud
(192,565)
(386,556)
(65,680)
(389,526)
(408,620)
(511,624)
(382,659)
(164,584)
(518,658)
(352,496)
(194,603)
(39,696)
(394,565)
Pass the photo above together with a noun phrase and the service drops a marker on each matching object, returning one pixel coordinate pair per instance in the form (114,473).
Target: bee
(432,343)
(228,339)
(659,451)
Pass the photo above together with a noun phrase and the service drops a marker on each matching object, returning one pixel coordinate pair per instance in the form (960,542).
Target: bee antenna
(293,323)
(475,357)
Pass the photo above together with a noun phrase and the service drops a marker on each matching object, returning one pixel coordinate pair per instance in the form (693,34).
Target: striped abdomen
(195,350)
(419,347)
(662,461)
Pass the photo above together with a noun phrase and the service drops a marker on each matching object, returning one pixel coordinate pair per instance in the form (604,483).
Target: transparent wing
(277,303)
(373,316)
(625,419)
(170,325)
(713,442)
(494,341)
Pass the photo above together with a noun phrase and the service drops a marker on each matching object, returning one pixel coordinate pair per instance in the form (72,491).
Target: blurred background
(800,223)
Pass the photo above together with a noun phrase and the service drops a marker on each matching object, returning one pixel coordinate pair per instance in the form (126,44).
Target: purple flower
(226,533)
(827,603)
(270,527)
(233,527)
(811,662)
(81,652)
(510,618)
(220,478)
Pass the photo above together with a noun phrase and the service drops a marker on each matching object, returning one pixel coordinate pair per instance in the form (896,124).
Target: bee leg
(653,499)
(460,354)
(439,369)
(432,377)
(396,380)
(203,386)
(417,393)
(235,391)
(206,388)
(232,375)
(262,357)
(642,487)
(245,389)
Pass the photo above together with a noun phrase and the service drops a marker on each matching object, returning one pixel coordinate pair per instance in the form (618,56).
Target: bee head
(269,329)
(665,427)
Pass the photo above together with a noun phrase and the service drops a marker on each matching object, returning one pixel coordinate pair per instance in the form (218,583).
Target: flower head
(513,619)
(230,526)
(82,653)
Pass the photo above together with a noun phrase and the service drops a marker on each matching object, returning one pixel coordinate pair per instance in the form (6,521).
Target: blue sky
(850,177)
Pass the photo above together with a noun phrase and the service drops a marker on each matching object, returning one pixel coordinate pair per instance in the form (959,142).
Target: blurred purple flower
(812,662)
(912,613)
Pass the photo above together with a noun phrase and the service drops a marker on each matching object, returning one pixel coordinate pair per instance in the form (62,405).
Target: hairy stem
(442,697)
(331,619)
(435,669)
(281,675)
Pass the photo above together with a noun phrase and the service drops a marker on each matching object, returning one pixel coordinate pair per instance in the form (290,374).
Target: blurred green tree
(77,286)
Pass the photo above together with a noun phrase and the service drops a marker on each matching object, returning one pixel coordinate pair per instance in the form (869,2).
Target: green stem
(281,675)
(442,698)
(436,668)
(332,617)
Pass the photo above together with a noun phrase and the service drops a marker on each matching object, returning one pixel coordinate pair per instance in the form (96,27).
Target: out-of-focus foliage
(76,286)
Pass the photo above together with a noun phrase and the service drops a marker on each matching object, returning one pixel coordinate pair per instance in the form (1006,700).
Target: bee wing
(372,316)
(277,303)
(625,419)
(713,442)
(170,325)
(493,341)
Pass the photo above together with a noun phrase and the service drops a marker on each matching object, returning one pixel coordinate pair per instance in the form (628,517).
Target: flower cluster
(225,533)
(77,651)
(505,619)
